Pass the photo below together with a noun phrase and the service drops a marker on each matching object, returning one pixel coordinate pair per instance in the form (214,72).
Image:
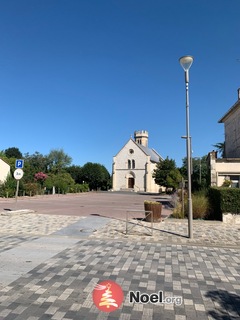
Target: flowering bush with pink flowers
(40,177)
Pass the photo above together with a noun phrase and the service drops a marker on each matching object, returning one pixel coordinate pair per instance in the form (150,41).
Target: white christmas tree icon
(107,299)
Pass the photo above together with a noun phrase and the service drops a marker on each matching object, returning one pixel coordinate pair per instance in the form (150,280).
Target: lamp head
(186,62)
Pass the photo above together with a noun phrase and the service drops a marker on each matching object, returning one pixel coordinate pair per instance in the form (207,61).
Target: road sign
(19,164)
(18,174)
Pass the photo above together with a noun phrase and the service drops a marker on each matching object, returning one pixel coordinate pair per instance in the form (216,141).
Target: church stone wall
(142,172)
(122,171)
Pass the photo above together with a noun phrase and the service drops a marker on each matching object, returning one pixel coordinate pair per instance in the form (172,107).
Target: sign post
(18,174)
(19,164)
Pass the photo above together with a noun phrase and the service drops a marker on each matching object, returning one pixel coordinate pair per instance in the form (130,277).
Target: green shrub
(178,212)
(8,188)
(224,200)
(62,182)
(227,183)
(200,207)
(31,189)
(79,188)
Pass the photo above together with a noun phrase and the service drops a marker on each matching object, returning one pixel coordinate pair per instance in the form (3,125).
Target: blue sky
(83,75)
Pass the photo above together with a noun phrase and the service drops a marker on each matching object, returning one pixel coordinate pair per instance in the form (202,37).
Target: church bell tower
(141,137)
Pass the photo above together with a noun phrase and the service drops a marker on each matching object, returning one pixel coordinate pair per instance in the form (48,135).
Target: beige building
(224,169)
(4,171)
(228,167)
(134,164)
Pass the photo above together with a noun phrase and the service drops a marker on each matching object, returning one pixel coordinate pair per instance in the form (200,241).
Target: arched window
(133,164)
(129,164)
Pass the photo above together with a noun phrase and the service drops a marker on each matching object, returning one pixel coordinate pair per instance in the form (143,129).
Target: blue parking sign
(19,164)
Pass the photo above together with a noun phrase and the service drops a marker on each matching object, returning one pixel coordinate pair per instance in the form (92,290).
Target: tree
(13,153)
(76,173)
(7,189)
(40,177)
(37,161)
(200,173)
(96,175)
(220,146)
(167,175)
(58,160)
(33,164)
(2,154)
(61,181)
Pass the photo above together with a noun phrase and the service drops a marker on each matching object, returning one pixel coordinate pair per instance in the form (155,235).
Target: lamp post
(186,62)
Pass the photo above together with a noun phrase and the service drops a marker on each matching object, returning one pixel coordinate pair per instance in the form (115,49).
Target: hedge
(224,200)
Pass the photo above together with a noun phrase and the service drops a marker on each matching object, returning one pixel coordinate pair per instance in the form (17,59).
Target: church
(134,164)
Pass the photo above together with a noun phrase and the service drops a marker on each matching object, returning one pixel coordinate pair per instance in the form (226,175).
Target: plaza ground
(53,254)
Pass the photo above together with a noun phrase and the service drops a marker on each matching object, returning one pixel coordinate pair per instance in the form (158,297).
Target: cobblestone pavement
(30,223)
(207,233)
(204,272)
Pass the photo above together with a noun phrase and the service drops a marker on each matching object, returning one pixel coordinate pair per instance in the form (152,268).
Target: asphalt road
(108,204)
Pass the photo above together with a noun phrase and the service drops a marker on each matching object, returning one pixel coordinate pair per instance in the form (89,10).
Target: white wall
(4,170)
(220,169)
(121,171)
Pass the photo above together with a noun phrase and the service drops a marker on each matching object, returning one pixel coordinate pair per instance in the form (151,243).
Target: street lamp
(186,62)
(185,137)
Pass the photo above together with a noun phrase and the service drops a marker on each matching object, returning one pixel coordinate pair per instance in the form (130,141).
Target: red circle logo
(107,296)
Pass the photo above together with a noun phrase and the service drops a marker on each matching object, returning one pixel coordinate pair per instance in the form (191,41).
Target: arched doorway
(130,183)
(130,180)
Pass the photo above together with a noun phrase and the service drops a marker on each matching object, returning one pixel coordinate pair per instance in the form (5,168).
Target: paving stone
(204,271)
(210,233)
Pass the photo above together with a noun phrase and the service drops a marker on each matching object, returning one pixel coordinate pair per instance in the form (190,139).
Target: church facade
(134,164)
